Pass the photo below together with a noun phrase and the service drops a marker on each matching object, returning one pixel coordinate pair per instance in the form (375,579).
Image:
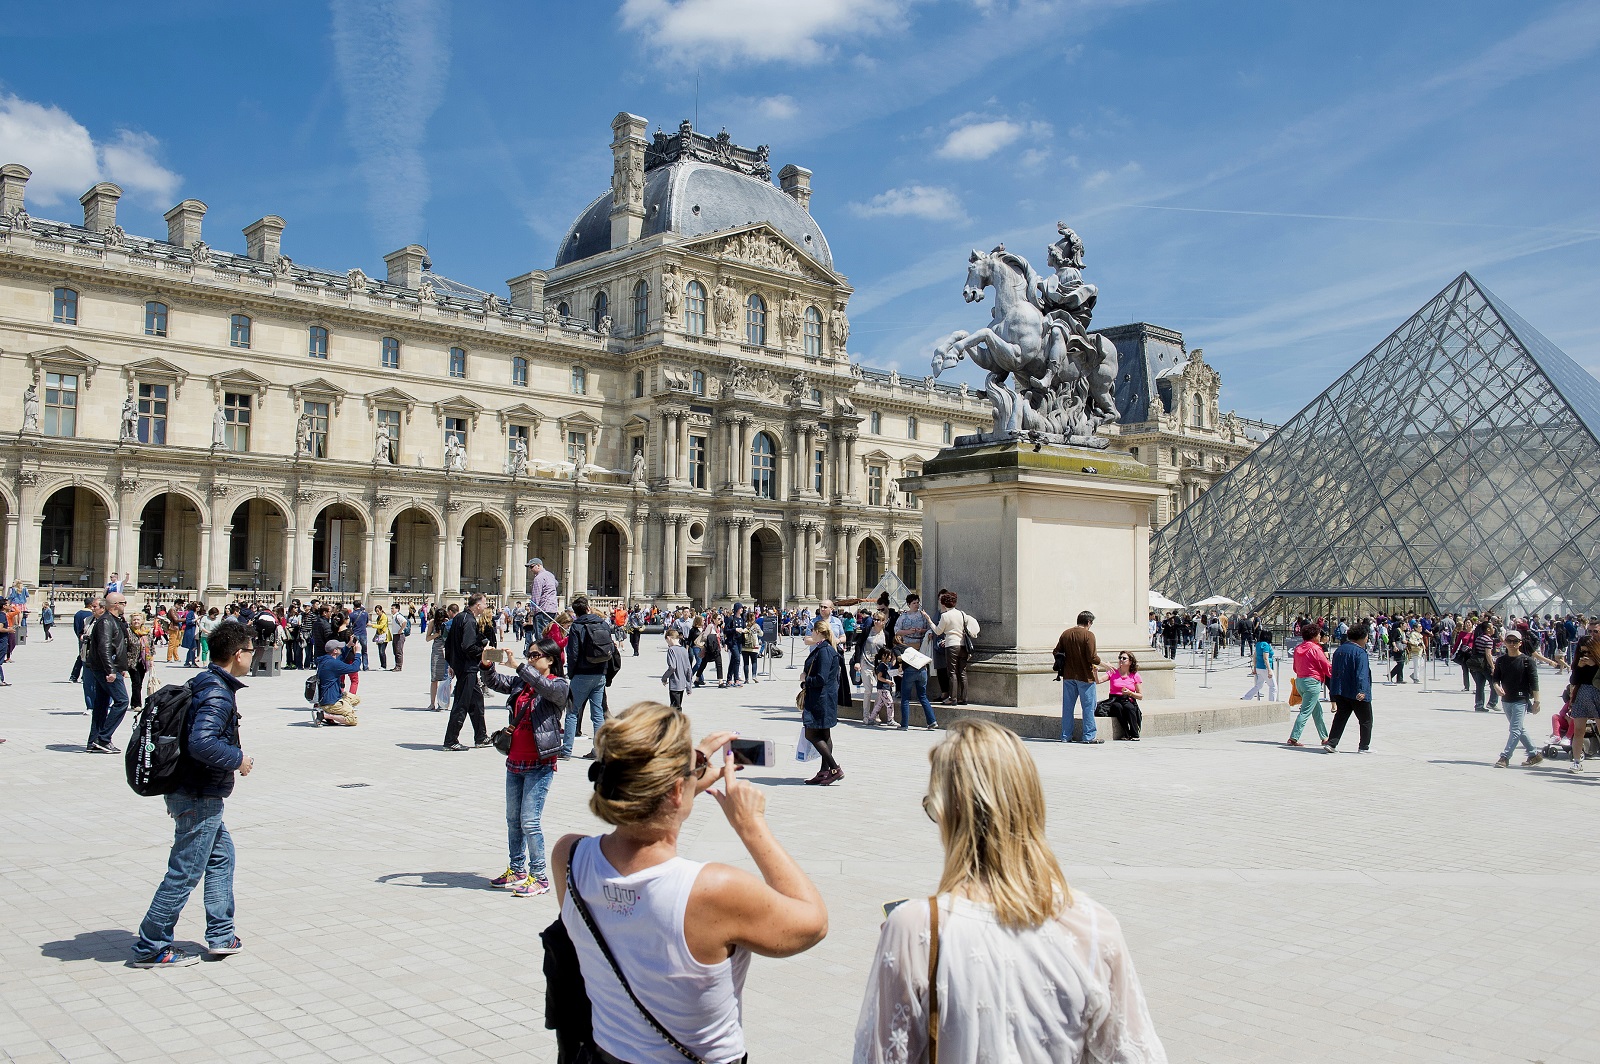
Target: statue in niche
(671,291)
(30,409)
(517,464)
(129,432)
(383,447)
(725,305)
(637,476)
(302,435)
(580,463)
(789,317)
(455,455)
(219,428)
(839,327)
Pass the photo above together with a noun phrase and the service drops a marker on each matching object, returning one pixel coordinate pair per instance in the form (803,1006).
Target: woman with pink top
(1127,691)
(1311,670)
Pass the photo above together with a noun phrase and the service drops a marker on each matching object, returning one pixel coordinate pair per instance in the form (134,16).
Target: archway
(413,552)
(169,543)
(483,555)
(72,540)
(766,567)
(910,565)
(256,546)
(605,561)
(869,565)
(547,540)
(338,550)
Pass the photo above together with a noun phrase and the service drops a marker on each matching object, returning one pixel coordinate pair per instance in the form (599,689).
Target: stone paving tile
(1406,905)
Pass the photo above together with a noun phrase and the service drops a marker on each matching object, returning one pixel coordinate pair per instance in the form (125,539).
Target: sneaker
(455,746)
(171,957)
(509,878)
(481,743)
(1577,766)
(1294,742)
(1503,763)
(228,948)
(1533,759)
(531,888)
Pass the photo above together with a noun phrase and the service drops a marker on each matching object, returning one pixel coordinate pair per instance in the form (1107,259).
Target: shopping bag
(803,750)
(1294,695)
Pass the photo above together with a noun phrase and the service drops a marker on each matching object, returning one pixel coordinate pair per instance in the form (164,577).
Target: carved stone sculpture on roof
(605,326)
(358,279)
(671,291)
(839,327)
(799,387)
(200,252)
(741,381)
(283,266)
(116,237)
(491,304)
(30,408)
(21,221)
(1230,426)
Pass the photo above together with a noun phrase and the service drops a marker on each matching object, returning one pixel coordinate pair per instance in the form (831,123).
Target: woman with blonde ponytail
(1025,968)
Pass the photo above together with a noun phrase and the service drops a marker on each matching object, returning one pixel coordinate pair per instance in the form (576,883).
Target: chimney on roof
(627,178)
(13,179)
(100,207)
(183,223)
(795,181)
(263,239)
(527,291)
(405,265)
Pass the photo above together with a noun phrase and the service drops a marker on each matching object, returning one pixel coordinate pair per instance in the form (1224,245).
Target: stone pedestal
(1028,538)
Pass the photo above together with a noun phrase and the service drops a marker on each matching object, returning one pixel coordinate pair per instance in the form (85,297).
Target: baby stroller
(1562,727)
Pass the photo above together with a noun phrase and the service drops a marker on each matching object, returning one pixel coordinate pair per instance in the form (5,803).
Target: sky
(1284,183)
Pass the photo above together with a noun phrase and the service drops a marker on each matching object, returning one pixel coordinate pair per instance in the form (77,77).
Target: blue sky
(1282,182)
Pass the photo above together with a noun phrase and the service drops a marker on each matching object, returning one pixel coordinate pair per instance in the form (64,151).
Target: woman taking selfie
(537,702)
(1026,969)
(681,932)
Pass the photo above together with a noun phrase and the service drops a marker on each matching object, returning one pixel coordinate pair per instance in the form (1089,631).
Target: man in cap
(542,602)
(334,704)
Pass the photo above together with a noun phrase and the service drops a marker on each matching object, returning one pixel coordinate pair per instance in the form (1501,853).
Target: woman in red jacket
(1311,671)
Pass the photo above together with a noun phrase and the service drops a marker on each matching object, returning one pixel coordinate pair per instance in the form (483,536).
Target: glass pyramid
(1457,463)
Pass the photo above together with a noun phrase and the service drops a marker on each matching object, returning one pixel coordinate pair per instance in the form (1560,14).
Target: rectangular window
(513,434)
(391,353)
(318,342)
(697,461)
(155,319)
(391,419)
(519,371)
(65,311)
(456,427)
(580,381)
(875,485)
(318,413)
(638,384)
(239,331)
(236,410)
(575,440)
(818,469)
(458,365)
(947,432)
(60,404)
(153,413)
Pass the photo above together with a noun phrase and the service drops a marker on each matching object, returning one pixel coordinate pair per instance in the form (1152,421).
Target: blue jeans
(201,846)
(590,688)
(361,653)
(1516,714)
(735,656)
(525,792)
(107,702)
(1073,694)
(914,684)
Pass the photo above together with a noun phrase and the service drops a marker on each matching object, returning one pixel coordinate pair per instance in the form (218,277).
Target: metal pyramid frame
(1459,461)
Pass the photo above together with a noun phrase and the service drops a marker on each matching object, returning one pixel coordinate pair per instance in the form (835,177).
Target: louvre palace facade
(669,412)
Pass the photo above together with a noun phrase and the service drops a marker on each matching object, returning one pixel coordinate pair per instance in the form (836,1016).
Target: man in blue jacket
(358,625)
(334,705)
(1351,685)
(201,845)
(80,623)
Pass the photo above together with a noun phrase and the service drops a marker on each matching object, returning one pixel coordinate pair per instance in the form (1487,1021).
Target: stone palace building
(668,413)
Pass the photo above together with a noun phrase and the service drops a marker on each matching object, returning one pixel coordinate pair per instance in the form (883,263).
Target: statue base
(1028,534)
(1031,437)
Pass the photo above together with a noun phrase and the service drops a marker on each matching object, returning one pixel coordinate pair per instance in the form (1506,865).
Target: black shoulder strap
(599,940)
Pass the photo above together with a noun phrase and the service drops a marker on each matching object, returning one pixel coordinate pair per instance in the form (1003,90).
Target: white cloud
(778,108)
(727,31)
(913,201)
(979,140)
(66,160)
(392,57)
(1101,178)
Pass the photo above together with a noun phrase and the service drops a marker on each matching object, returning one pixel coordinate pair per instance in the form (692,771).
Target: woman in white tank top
(681,932)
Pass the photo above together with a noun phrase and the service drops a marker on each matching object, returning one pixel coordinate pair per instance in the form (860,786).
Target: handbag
(599,940)
(502,738)
(1294,695)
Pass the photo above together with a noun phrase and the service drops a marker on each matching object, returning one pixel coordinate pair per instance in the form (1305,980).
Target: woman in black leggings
(820,710)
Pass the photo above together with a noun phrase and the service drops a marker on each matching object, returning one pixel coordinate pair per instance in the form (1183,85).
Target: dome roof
(693,199)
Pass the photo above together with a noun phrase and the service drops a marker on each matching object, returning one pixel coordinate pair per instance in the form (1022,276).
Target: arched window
(317,342)
(694,309)
(911,427)
(66,307)
(755,321)
(602,308)
(875,423)
(239,331)
(641,308)
(391,353)
(1199,412)
(519,371)
(580,381)
(813,332)
(697,382)
(155,318)
(763,467)
(563,310)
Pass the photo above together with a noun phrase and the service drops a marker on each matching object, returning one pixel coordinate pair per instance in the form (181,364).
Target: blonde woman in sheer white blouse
(1029,971)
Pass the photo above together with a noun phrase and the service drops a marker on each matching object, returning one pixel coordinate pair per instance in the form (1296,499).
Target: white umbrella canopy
(1216,600)
(1158,601)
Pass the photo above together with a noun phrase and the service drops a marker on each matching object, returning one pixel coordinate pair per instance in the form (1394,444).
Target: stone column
(730,559)
(125,557)
(680,555)
(641,524)
(29,523)
(741,465)
(727,451)
(744,558)
(841,567)
(305,528)
(797,557)
(813,534)
(450,548)
(669,448)
(580,557)
(218,533)
(807,472)
(850,465)
(516,582)
(375,576)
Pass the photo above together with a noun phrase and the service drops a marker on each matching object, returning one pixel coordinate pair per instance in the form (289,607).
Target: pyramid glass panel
(1458,463)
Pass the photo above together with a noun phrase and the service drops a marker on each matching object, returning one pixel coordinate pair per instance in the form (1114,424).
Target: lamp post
(425,578)
(257,568)
(55,556)
(499,575)
(344,567)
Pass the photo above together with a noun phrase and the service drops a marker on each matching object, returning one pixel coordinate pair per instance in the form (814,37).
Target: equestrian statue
(1050,378)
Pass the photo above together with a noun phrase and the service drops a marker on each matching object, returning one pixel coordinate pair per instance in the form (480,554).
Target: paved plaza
(1412,904)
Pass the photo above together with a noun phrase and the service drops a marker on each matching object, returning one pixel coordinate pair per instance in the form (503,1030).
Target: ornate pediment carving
(763,247)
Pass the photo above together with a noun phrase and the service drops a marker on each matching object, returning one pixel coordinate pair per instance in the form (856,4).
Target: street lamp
(257,568)
(55,556)
(424,578)
(344,567)
(499,575)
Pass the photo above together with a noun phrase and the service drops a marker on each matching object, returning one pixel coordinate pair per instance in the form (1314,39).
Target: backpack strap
(933,979)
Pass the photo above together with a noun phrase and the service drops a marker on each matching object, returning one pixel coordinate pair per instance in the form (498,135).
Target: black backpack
(595,650)
(156,746)
(311,689)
